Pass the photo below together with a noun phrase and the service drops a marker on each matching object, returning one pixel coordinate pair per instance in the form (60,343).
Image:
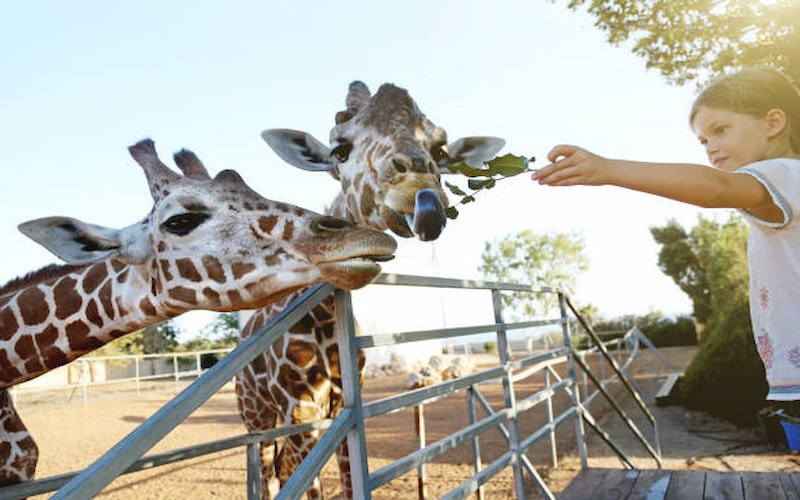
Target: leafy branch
(480,179)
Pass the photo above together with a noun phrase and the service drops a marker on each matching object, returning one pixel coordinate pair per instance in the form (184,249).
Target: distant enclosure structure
(613,357)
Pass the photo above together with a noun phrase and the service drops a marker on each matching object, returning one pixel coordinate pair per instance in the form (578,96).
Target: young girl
(749,124)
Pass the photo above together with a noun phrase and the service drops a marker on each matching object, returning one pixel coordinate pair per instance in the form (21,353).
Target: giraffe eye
(439,153)
(183,224)
(342,151)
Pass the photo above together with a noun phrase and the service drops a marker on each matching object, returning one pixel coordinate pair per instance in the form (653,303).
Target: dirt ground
(72,435)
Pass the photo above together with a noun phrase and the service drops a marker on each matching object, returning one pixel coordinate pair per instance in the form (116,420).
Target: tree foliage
(726,378)
(221,333)
(687,39)
(550,259)
(154,339)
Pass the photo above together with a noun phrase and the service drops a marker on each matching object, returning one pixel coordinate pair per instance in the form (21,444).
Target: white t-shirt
(774,260)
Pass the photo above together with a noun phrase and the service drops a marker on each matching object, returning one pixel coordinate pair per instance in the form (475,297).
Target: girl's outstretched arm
(696,184)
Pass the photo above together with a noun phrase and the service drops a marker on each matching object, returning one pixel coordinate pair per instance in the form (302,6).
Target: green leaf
(454,189)
(467,199)
(507,165)
(451,212)
(468,170)
(476,184)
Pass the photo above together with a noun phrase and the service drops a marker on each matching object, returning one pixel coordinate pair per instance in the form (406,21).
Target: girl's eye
(342,151)
(720,130)
(439,153)
(183,224)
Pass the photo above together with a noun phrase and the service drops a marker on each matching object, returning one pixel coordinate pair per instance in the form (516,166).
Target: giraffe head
(214,243)
(388,157)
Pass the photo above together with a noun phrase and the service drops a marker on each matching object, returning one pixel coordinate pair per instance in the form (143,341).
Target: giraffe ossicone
(388,158)
(208,243)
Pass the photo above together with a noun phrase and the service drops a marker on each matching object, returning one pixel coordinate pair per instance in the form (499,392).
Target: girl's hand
(571,166)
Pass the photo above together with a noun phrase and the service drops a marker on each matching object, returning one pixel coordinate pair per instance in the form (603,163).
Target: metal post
(553,448)
(85,380)
(575,395)
(175,369)
(254,471)
(351,393)
(198,364)
(138,382)
(508,390)
(476,445)
(419,415)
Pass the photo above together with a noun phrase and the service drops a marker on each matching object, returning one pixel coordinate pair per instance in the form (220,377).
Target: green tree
(221,333)
(153,339)
(550,259)
(687,39)
(726,378)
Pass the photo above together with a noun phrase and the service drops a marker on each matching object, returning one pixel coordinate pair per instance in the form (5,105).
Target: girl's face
(732,140)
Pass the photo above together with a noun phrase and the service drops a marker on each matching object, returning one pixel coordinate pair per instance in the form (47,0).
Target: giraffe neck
(46,325)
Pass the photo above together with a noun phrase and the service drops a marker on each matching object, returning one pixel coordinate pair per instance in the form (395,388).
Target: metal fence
(615,356)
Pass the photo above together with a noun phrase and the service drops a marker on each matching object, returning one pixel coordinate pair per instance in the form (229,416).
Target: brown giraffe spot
(367,201)
(332,352)
(241,268)
(33,306)
(352,204)
(183,294)
(267,224)
(259,365)
(13,424)
(316,376)
(304,413)
(117,266)
(8,372)
(147,307)
(278,346)
(278,396)
(118,333)
(92,279)
(8,324)
(328,330)
(211,296)
(54,357)
(357,179)
(234,297)
(162,246)
(5,455)
(288,230)
(122,276)
(93,314)
(257,322)
(322,313)
(67,299)
(123,311)
(33,366)
(214,269)
(24,347)
(165,269)
(46,338)
(79,338)
(288,377)
(301,353)
(305,324)
(187,270)
(105,299)
(274,259)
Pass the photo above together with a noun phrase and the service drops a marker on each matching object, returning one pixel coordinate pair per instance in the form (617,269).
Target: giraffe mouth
(359,267)
(426,222)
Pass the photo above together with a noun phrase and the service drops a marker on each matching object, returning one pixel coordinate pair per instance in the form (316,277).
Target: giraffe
(211,244)
(388,158)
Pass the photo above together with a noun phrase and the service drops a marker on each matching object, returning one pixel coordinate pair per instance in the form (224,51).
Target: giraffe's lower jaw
(351,273)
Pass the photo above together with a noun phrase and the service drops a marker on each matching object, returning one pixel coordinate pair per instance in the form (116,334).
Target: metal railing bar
(367,341)
(533,370)
(535,359)
(501,428)
(47,484)
(591,396)
(546,428)
(422,395)
(311,465)
(536,398)
(433,450)
(433,282)
(472,484)
(589,419)
(104,470)
(620,411)
(623,378)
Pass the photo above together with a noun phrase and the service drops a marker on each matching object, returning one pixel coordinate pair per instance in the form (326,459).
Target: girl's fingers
(562,150)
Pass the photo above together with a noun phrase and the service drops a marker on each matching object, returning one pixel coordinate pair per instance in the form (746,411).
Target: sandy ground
(72,435)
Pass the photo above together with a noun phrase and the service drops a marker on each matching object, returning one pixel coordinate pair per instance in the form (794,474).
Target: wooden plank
(758,485)
(793,478)
(663,396)
(651,485)
(584,484)
(686,485)
(723,485)
(789,487)
(616,485)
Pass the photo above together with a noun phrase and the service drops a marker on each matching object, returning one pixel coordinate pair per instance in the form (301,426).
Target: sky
(82,81)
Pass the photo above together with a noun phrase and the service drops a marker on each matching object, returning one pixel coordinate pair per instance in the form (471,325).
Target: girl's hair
(755,91)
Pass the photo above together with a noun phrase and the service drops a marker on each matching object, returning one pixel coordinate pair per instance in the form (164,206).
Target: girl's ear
(775,119)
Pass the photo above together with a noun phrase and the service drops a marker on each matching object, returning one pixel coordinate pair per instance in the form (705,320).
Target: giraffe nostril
(331,224)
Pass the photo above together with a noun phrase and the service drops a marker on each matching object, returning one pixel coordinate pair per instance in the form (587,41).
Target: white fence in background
(85,373)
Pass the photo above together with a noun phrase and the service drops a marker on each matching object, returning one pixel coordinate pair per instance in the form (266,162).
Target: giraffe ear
(77,242)
(474,150)
(299,149)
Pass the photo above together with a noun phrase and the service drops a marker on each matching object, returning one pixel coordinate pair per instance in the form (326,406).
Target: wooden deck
(608,484)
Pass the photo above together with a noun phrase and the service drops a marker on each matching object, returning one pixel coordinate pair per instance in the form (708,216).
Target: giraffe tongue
(429,217)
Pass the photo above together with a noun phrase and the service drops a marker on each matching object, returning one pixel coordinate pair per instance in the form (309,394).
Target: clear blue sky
(82,81)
